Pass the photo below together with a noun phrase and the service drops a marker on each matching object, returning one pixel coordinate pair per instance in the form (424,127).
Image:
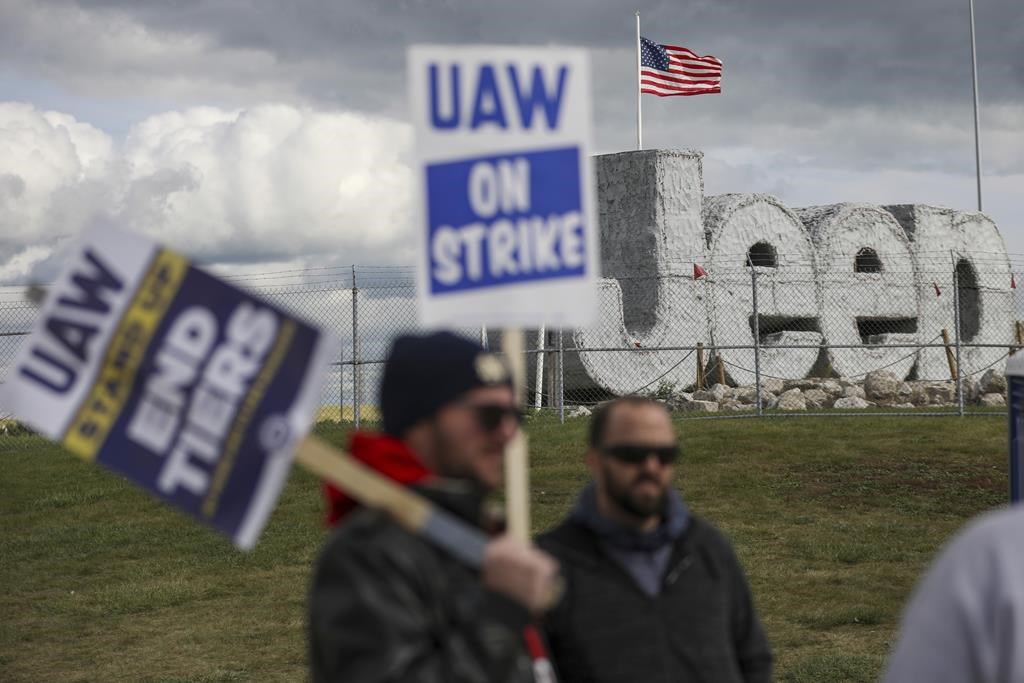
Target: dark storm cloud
(822,101)
(901,53)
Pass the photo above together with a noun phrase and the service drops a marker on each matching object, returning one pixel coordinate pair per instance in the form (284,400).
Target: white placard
(507,230)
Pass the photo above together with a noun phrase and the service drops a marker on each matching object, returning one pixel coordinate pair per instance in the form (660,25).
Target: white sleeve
(962,620)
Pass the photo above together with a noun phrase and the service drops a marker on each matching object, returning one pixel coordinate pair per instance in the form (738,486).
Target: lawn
(834,520)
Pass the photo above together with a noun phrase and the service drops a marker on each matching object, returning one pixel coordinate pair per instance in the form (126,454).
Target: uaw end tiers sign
(189,387)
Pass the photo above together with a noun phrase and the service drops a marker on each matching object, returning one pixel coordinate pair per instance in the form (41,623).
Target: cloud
(269,183)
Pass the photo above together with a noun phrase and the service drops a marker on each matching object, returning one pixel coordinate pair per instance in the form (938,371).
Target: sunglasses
(635,454)
(490,416)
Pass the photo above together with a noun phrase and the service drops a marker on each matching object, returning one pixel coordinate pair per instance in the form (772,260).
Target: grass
(833,519)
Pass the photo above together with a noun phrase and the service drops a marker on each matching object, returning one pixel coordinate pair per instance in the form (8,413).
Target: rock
(992,400)
(972,388)
(832,388)
(680,400)
(749,395)
(579,411)
(775,386)
(881,385)
(851,402)
(696,406)
(904,406)
(731,405)
(716,393)
(803,384)
(993,381)
(791,400)
(816,398)
(940,393)
(853,391)
(905,393)
(918,393)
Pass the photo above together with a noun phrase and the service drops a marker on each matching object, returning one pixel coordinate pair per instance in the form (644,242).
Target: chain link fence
(761,334)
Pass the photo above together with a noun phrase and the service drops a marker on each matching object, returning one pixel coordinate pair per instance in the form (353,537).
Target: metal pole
(355,350)
(956,337)
(1015,398)
(757,338)
(977,127)
(639,116)
(483,336)
(561,378)
(538,383)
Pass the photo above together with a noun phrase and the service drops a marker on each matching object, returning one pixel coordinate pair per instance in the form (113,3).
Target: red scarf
(396,461)
(383,453)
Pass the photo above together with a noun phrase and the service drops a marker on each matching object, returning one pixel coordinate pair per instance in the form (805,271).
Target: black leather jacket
(386,605)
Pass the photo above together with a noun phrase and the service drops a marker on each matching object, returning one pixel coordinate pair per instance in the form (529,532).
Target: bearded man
(653,593)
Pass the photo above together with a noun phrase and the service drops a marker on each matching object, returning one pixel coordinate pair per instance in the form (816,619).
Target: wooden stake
(950,356)
(700,366)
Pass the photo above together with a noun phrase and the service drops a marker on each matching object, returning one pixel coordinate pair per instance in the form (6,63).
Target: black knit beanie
(423,373)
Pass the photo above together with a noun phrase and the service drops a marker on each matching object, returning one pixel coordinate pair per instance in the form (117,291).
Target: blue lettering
(62,376)
(436,118)
(74,336)
(538,96)
(91,288)
(487,87)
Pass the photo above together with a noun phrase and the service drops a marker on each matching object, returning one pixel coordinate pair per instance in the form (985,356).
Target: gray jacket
(965,622)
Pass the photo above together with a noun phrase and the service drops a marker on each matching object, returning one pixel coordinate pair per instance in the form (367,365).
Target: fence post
(701,380)
(757,337)
(356,393)
(956,336)
(538,384)
(561,378)
(341,383)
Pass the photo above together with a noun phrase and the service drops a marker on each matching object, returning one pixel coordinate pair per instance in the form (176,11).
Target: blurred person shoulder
(969,607)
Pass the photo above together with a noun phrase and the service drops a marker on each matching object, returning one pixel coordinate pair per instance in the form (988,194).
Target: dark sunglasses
(635,455)
(490,416)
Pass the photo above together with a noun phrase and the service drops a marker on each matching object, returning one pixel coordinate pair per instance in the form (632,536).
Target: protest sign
(508,230)
(189,387)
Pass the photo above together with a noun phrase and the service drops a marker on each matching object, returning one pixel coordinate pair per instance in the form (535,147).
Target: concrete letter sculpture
(850,275)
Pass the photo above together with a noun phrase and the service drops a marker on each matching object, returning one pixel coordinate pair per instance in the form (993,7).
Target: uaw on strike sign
(508,231)
(187,386)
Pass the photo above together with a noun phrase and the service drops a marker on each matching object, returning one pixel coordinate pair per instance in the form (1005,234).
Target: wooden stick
(412,511)
(517,477)
(700,366)
(950,356)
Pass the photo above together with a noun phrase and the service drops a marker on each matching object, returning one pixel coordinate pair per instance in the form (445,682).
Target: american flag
(667,70)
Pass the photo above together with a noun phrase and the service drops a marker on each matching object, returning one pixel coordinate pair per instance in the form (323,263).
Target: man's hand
(518,570)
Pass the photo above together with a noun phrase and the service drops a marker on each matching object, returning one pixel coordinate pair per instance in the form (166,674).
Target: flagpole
(977,131)
(639,114)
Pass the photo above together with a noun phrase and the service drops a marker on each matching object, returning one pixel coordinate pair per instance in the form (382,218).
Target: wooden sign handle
(412,511)
(517,478)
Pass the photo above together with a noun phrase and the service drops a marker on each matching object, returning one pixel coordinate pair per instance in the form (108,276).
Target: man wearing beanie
(654,593)
(387,605)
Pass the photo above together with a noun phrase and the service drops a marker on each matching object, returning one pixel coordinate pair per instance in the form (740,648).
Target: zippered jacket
(701,627)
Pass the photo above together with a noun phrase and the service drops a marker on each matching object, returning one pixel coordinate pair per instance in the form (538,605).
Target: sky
(258,135)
